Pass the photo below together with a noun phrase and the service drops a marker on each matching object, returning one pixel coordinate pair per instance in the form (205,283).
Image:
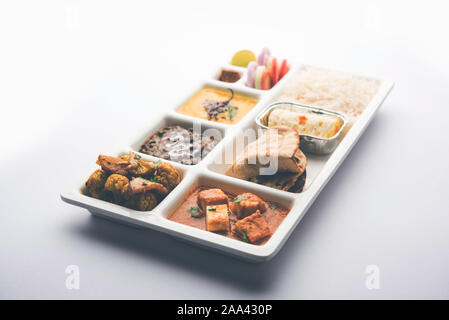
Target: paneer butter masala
(245,217)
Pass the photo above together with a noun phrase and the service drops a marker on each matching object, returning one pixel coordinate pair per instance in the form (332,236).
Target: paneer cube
(217,218)
(246,204)
(211,197)
(252,228)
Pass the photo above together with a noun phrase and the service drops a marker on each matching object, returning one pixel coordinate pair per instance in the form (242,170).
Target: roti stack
(274,160)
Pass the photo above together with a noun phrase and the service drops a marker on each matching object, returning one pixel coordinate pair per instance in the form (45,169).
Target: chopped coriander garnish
(138,157)
(157,163)
(193,211)
(273,206)
(232,111)
(244,236)
(238,199)
(154,179)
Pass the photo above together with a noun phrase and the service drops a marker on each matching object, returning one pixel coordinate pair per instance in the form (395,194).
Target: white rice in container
(330,90)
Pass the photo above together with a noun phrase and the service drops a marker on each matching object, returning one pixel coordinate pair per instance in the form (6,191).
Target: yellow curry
(220,105)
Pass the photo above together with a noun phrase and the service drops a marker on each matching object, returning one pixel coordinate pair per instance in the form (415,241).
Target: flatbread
(279,143)
(292,182)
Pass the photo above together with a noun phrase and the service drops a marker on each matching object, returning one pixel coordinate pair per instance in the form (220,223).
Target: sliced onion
(251,75)
(262,56)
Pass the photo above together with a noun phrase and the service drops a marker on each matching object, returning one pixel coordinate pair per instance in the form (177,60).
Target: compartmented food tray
(210,171)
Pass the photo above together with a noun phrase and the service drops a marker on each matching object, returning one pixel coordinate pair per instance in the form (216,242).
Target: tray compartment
(217,72)
(234,187)
(249,133)
(101,204)
(279,84)
(230,185)
(206,127)
(237,87)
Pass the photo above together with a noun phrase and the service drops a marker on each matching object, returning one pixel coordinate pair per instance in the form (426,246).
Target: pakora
(168,175)
(131,181)
(95,183)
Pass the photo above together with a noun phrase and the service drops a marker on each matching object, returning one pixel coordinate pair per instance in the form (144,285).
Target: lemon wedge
(242,58)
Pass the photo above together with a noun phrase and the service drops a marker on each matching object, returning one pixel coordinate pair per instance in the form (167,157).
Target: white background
(78,76)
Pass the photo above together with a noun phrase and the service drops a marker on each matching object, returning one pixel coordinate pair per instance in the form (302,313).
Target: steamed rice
(330,90)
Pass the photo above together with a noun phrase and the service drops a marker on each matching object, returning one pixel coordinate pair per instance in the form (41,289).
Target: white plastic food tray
(210,173)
